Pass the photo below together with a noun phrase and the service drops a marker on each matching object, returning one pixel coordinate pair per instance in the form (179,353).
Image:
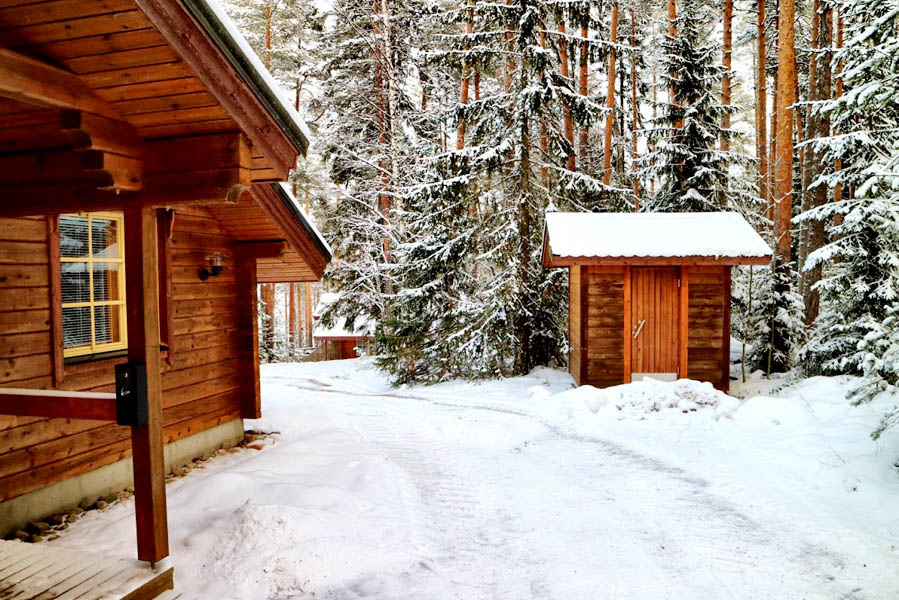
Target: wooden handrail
(58,404)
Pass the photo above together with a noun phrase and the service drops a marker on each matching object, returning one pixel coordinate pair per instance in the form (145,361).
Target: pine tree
(363,140)
(687,160)
(856,331)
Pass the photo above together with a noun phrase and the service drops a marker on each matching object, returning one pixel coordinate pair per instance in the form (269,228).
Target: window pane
(76,327)
(103,238)
(106,323)
(106,281)
(73,236)
(75,282)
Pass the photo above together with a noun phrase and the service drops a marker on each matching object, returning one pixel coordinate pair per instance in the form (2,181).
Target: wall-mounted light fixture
(216,264)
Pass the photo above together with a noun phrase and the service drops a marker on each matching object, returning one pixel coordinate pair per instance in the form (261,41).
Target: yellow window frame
(94,347)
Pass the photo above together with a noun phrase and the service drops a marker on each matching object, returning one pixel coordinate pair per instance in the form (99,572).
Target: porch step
(51,571)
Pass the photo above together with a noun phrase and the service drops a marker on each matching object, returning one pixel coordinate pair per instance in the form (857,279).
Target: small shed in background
(649,293)
(339,341)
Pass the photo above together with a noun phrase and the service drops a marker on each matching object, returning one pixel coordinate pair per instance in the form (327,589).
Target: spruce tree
(687,160)
(856,331)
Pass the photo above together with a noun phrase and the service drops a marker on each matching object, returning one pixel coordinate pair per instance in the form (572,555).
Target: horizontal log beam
(31,81)
(59,198)
(56,404)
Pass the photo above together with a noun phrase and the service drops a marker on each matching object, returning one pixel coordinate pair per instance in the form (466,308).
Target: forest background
(446,129)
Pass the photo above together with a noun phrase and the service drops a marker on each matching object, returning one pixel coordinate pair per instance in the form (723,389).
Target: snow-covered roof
(222,30)
(725,237)
(305,220)
(361,328)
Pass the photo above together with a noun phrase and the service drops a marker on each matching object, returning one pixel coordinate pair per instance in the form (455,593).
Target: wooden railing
(58,404)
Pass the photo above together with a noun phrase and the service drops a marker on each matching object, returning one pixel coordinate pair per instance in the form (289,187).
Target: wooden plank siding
(604,322)
(709,316)
(606,302)
(575,323)
(201,388)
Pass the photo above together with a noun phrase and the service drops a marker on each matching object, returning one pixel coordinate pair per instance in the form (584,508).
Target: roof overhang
(220,30)
(674,239)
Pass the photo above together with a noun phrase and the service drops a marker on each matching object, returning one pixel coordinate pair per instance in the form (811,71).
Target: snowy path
(494,491)
(512,508)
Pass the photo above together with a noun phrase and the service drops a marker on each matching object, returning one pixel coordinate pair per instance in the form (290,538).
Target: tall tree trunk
(635,109)
(762,104)
(809,162)
(610,100)
(726,62)
(672,31)
(466,74)
(816,230)
(838,165)
(268,35)
(582,88)
(783,172)
(523,326)
(268,329)
(292,320)
(655,115)
(566,111)
(383,104)
(544,136)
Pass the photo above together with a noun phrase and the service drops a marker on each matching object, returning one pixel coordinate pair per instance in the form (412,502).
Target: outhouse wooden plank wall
(603,314)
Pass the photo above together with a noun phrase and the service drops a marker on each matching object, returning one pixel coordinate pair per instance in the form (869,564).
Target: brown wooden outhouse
(141,148)
(649,293)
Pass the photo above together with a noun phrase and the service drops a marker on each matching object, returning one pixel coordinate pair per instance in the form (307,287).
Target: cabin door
(654,318)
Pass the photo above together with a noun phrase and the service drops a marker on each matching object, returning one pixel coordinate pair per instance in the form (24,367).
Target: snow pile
(646,397)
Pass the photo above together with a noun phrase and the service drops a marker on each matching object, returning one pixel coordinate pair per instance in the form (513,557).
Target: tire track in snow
(641,528)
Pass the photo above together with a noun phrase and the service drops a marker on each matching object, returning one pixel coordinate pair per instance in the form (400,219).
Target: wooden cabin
(141,148)
(649,293)
(339,342)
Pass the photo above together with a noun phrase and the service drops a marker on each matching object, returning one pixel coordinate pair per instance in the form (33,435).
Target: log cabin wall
(603,287)
(200,386)
(575,339)
(708,342)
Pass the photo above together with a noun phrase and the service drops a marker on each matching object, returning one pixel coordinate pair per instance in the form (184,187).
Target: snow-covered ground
(527,488)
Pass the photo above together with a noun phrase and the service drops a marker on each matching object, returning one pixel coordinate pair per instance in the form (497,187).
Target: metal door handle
(639,327)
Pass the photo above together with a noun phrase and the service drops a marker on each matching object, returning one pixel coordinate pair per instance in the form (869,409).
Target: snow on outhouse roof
(723,237)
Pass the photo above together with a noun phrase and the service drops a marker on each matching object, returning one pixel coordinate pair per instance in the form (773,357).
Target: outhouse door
(654,318)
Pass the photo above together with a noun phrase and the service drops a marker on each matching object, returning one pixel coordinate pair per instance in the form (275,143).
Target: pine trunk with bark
(783,171)
(726,62)
(762,106)
(819,126)
(610,100)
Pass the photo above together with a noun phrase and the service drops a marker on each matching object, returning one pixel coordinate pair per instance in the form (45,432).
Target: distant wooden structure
(141,146)
(649,293)
(338,342)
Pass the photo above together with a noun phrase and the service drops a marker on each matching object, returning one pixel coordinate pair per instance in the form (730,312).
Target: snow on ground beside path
(530,488)
(312,509)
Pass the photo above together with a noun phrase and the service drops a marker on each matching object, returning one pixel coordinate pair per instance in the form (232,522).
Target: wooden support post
(142,298)
(725,375)
(628,324)
(683,323)
(292,320)
(248,334)
(308,315)
(55,288)
(585,361)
